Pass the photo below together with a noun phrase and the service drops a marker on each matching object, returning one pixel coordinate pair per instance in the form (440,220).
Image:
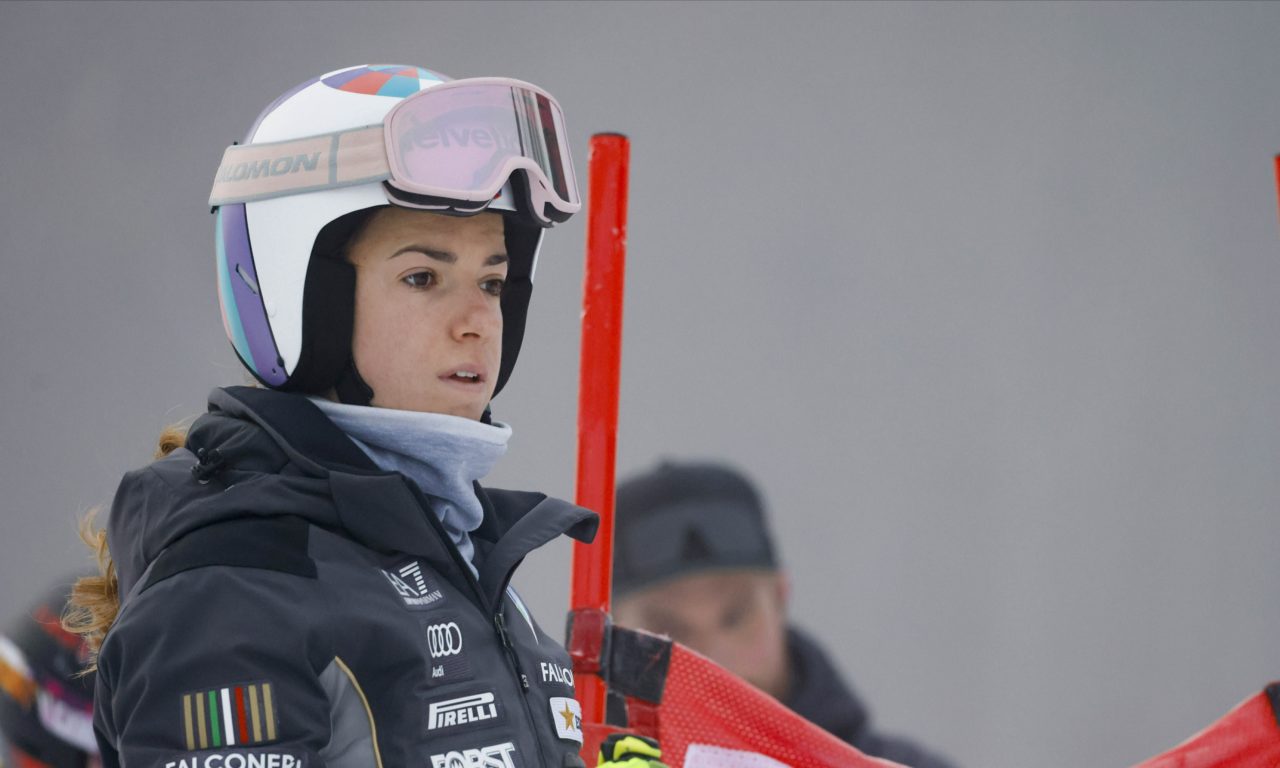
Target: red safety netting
(705,706)
(705,717)
(702,715)
(1246,737)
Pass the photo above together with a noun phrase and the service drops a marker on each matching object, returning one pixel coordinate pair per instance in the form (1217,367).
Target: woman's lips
(464,376)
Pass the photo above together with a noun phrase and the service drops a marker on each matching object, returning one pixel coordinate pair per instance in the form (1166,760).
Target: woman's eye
(419,279)
(494,286)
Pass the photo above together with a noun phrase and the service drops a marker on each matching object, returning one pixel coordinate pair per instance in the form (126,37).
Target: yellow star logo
(569,718)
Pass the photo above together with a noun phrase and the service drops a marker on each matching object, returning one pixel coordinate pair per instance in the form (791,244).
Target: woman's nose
(476,316)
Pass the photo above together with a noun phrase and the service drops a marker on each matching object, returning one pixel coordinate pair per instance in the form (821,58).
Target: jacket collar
(382,510)
(512,529)
(305,434)
(818,692)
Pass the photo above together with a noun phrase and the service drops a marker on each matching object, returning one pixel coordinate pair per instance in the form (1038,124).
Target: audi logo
(444,640)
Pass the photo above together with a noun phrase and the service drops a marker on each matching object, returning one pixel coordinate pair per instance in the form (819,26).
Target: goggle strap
(250,172)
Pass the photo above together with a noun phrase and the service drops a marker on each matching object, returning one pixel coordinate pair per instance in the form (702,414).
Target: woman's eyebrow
(448,257)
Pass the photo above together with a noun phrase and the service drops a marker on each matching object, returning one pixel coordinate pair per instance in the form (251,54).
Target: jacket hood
(263,453)
(233,465)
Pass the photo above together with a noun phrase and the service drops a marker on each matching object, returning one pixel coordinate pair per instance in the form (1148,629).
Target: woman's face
(428,324)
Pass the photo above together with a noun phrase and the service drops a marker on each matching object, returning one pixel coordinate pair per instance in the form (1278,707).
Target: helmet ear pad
(522,240)
(328,310)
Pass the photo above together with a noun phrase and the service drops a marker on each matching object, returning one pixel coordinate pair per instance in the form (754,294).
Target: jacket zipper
(500,624)
(499,621)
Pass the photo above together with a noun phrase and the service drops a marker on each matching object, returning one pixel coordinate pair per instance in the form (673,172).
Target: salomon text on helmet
(321,156)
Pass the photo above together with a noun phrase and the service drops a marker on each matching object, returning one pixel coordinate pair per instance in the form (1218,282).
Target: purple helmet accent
(255,330)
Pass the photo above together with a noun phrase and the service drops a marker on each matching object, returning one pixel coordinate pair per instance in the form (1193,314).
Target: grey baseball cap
(684,518)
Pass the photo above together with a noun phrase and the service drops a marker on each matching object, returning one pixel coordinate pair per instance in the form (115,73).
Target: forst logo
(444,640)
(496,756)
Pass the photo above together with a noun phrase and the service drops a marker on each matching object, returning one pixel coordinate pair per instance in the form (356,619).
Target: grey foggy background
(986,296)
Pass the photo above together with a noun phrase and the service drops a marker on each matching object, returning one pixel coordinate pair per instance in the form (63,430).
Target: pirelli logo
(231,716)
(466,710)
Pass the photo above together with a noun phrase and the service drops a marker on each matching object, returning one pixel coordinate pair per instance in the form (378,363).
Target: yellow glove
(626,750)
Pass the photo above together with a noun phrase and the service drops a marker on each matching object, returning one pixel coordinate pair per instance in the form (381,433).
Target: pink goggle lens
(464,141)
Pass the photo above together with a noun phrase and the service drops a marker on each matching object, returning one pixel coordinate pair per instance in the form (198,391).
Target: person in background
(46,705)
(694,560)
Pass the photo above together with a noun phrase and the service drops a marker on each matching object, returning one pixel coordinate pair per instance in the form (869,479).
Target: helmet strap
(351,387)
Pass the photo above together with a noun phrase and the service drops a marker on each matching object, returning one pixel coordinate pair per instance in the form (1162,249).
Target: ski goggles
(450,147)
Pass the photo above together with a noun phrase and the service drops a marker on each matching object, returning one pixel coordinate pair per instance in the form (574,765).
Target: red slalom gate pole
(1278,176)
(601,356)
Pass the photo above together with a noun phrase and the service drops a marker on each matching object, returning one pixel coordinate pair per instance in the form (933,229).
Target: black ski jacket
(819,695)
(285,604)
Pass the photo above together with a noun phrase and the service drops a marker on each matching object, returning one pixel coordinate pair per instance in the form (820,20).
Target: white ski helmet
(321,157)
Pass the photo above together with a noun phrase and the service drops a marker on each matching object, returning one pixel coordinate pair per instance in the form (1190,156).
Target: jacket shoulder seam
(264,543)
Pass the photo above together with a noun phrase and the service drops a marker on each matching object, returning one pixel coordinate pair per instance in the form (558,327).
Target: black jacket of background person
(271,573)
(821,697)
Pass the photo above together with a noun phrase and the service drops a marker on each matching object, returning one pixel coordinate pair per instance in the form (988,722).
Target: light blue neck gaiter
(445,455)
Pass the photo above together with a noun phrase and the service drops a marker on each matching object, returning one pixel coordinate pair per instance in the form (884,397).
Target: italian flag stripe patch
(225,717)
(240,718)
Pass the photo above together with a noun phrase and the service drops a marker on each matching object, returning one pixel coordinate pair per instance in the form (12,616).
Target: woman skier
(312,576)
